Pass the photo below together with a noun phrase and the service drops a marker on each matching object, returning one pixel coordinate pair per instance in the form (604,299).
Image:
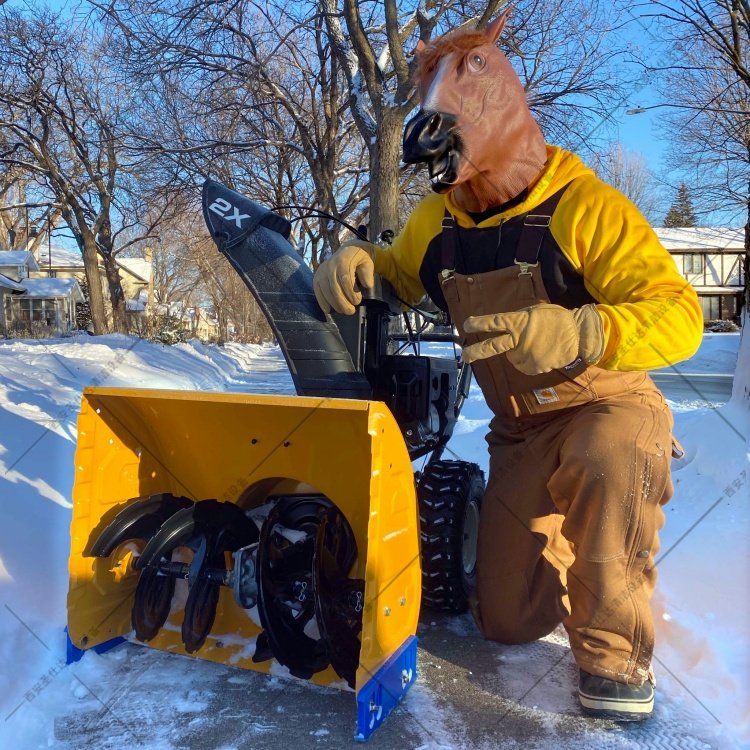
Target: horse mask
(474,130)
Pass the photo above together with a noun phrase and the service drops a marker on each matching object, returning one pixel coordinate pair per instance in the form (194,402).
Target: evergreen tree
(681,214)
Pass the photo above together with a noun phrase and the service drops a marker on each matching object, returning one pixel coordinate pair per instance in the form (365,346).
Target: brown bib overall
(579,469)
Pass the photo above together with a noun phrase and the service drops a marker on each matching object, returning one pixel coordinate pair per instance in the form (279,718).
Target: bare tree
(60,116)
(250,94)
(222,290)
(322,83)
(708,81)
(25,217)
(629,172)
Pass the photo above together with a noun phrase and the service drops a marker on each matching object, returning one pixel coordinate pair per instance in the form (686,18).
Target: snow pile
(702,608)
(40,391)
(717,356)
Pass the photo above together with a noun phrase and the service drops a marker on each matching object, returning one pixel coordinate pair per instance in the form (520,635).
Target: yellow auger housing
(245,449)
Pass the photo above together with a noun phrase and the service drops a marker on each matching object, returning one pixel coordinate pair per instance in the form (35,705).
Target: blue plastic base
(73,653)
(385,689)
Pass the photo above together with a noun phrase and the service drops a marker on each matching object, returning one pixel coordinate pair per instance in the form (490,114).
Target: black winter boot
(615,700)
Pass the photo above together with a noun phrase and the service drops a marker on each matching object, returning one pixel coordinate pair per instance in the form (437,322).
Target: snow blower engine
(263,530)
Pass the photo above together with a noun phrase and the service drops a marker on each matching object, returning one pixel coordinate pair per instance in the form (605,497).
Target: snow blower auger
(259,531)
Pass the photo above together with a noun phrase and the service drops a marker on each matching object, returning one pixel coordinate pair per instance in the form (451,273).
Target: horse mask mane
(474,130)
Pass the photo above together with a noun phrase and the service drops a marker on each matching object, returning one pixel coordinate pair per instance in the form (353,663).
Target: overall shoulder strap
(448,242)
(535,225)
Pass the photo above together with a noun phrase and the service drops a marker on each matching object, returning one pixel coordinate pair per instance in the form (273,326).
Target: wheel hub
(470,536)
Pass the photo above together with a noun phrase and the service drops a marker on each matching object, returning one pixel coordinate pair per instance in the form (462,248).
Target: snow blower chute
(262,530)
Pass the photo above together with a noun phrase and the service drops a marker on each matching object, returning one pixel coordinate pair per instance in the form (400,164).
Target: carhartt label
(546,395)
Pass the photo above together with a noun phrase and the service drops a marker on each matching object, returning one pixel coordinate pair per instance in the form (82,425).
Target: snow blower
(259,531)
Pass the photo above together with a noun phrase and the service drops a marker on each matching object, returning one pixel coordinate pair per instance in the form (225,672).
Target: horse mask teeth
(444,171)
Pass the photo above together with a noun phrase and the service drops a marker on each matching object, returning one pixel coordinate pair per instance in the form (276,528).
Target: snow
(135,305)
(140,267)
(702,605)
(50,288)
(701,238)
(61,258)
(717,356)
(7,283)
(18,258)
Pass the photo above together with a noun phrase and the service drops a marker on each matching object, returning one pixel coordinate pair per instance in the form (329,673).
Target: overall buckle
(525,266)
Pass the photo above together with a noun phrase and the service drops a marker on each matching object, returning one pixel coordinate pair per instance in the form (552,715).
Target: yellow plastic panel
(242,448)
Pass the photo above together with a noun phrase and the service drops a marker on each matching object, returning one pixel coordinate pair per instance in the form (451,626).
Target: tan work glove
(334,279)
(539,339)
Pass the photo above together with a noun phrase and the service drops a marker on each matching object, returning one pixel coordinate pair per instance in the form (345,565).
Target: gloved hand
(539,339)
(334,279)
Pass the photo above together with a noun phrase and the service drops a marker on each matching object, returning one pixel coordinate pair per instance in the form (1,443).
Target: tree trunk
(116,295)
(96,295)
(385,157)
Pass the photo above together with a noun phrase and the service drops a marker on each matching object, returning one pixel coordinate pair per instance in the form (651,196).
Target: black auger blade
(151,604)
(286,601)
(224,523)
(210,528)
(140,519)
(200,613)
(339,600)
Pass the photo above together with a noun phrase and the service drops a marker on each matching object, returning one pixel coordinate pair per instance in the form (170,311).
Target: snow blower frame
(262,530)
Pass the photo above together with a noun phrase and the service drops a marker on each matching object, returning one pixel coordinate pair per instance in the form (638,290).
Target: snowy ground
(471,693)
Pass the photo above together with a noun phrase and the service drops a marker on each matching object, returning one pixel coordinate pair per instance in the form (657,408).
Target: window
(729,306)
(711,305)
(38,310)
(692,263)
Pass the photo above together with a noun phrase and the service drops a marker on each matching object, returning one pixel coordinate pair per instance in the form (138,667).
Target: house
(34,306)
(17,264)
(8,288)
(201,323)
(711,259)
(135,273)
(197,321)
(46,304)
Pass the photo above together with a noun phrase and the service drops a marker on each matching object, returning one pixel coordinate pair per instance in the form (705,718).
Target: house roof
(18,258)
(138,267)
(7,283)
(52,288)
(718,239)
(61,258)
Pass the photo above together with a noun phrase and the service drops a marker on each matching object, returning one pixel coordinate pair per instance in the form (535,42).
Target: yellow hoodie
(651,314)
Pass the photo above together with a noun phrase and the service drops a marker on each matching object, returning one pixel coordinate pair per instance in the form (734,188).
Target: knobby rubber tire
(443,491)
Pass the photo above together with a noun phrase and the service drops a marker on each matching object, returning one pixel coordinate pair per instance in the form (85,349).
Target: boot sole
(617,710)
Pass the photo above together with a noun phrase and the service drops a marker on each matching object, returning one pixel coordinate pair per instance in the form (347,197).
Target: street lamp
(49,244)
(704,108)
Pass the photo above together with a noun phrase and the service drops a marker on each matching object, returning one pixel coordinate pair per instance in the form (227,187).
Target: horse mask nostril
(427,135)
(434,123)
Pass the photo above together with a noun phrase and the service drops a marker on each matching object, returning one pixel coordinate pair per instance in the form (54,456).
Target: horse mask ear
(420,48)
(495,28)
